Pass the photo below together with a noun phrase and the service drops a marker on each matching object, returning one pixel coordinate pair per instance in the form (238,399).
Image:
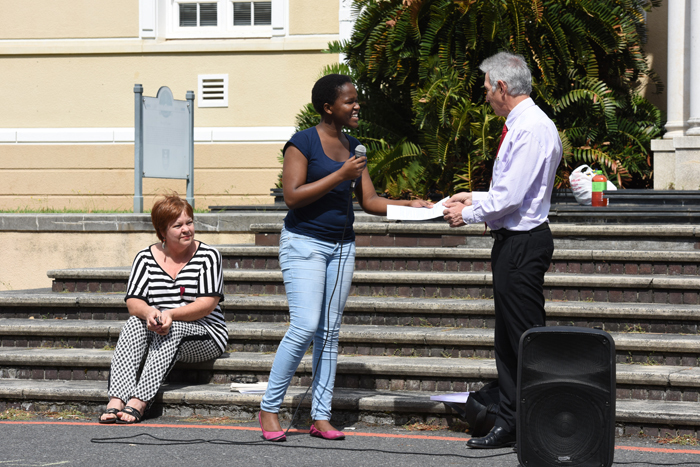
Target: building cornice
(277,135)
(315,43)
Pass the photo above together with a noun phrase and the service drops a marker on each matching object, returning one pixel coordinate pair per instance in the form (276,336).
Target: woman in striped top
(173,298)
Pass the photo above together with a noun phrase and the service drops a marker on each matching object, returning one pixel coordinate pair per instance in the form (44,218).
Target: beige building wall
(63,95)
(101,177)
(313,17)
(96,91)
(63,250)
(68,19)
(90,19)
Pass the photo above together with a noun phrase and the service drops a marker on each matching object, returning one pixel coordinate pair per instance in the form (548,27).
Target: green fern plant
(424,118)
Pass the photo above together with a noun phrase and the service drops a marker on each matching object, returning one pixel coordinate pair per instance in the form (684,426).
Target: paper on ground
(405,213)
(249,388)
(460,397)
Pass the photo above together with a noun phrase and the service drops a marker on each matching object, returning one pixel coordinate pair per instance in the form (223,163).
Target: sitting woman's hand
(153,319)
(166,320)
(159,321)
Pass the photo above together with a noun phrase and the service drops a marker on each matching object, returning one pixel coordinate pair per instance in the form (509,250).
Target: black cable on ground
(225,442)
(163,441)
(655,463)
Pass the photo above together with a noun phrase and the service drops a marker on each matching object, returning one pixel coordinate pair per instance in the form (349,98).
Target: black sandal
(110,411)
(130,411)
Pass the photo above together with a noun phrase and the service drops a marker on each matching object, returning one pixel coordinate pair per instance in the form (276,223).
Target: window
(252,13)
(198,14)
(226,18)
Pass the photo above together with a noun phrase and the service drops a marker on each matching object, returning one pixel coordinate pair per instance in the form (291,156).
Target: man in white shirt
(515,209)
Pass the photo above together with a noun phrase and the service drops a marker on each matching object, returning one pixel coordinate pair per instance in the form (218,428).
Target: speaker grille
(566,398)
(566,424)
(567,357)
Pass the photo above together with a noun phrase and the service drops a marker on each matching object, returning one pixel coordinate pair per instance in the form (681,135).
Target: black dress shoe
(495,439)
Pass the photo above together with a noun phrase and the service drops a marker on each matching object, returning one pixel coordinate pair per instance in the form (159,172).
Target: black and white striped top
(203,276)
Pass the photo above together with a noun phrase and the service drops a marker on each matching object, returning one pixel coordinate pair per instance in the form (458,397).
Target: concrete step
(572,287)
(460,259)
(670,237)
(478,313)
(413,341)
(634,381)
(564,209)
(632,417)
(558,286)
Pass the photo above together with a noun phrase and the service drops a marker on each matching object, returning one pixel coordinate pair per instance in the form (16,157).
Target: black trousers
(519,261)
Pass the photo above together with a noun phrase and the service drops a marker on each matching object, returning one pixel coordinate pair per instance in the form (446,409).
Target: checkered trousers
(187,341)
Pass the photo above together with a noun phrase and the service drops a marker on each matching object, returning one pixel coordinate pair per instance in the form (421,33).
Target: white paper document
(460,397)
(249,388)
(405,213)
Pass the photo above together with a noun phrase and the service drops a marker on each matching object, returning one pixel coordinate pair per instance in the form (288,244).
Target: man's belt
(502,234)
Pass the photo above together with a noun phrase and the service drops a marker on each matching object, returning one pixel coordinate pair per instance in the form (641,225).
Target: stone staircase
(419,321)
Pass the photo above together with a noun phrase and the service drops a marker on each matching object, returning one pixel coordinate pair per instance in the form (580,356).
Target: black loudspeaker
(566,397)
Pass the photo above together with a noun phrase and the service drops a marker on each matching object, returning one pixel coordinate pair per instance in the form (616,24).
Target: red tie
(503,136)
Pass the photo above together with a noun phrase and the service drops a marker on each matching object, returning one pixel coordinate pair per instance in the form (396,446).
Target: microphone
(360,151)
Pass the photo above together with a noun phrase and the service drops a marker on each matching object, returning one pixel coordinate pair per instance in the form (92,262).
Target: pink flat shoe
(332,434)
(272,435)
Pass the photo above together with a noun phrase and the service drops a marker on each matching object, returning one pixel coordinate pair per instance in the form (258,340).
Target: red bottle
(599,184)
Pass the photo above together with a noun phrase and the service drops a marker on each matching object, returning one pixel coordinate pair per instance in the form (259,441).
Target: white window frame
(225,28)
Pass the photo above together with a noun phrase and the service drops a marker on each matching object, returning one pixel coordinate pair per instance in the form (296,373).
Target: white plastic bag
(581,184)
(580,181)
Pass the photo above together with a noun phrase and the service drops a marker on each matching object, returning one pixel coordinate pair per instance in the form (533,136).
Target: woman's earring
(163,244)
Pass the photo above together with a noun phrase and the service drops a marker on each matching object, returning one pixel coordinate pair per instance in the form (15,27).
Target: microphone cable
(328,315)
(157,441)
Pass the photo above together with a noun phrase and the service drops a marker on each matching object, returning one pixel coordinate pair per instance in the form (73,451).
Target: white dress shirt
(523,173)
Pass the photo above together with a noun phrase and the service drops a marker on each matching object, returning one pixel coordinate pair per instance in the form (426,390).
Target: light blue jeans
(309,268)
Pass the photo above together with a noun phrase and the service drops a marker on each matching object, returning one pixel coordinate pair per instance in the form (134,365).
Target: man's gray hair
(511,69)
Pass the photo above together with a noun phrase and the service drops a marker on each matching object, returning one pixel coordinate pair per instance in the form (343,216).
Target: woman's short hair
(326,90)
(511,69)
(166,211)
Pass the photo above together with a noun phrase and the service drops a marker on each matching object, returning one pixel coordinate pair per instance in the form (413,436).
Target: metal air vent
(212,91)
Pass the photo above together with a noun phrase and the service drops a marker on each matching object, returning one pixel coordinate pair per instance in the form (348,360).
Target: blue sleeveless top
(323,219)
